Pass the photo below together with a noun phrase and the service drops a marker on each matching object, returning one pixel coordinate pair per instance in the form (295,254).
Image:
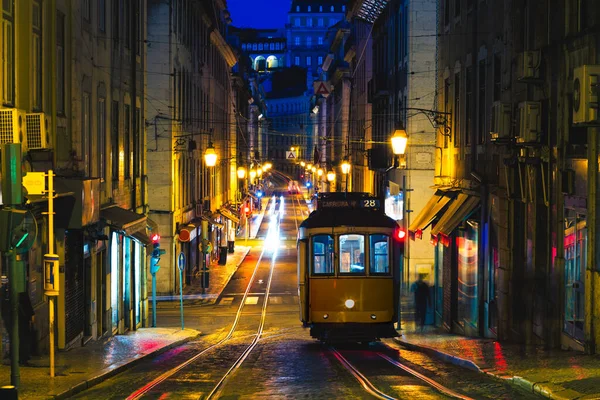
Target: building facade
(190,107)
(306,30)
(73,75)
(514,239)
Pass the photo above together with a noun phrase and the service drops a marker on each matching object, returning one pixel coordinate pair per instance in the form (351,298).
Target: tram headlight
(349,303)
(373,316)
(325,316)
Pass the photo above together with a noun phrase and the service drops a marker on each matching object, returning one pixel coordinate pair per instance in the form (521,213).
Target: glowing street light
(331,176)
(345,167)
(399,141)
(210,155)
(241,173)
(259,172)
(302,163)
(320,172)
(252,173)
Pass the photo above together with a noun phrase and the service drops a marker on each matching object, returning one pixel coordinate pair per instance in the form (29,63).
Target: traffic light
(10,238)
(247,209)
(156,253)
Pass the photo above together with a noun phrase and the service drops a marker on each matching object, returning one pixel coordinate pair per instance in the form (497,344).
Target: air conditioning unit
(37,131)
(530,120)
(501,121)
(12,127)
(586,91)
(529,65)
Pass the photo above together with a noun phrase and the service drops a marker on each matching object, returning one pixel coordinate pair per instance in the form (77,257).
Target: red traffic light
(155,238)
(400,234)
(246,209)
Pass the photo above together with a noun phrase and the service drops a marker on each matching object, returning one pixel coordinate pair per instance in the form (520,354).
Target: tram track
(370,387)
(221,344)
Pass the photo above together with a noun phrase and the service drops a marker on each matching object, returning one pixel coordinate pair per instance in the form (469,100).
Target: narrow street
(285,362)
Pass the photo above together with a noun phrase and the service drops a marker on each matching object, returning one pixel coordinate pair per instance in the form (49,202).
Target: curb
(88,383)
(549,391)
(461,362)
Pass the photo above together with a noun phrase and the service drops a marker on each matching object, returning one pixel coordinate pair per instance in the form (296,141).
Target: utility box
(586,91)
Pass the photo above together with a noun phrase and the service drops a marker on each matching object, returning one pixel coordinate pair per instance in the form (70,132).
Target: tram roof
(348,209)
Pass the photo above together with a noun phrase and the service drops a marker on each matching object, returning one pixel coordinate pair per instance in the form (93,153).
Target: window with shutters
(8,66)
(60,63)
(36,55)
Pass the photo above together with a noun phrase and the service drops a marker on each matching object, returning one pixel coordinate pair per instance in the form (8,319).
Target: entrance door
(575,262)
(89,318)
(127,295)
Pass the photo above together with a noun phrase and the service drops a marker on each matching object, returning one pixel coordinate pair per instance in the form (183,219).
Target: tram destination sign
(369,203)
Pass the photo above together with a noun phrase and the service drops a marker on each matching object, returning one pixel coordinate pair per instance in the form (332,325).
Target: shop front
(126,272)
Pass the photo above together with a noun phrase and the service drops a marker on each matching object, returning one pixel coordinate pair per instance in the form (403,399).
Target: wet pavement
(555,374)
(83,367)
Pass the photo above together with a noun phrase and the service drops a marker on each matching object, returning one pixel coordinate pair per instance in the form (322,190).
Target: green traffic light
(20,242)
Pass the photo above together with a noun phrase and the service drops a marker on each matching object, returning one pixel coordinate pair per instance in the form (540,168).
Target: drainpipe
(135,126)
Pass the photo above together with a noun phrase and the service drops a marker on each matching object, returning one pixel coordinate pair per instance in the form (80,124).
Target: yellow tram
(349,261)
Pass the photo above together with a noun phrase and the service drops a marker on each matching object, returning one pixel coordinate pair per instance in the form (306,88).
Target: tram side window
(322,255)
(352,254)
(380,257)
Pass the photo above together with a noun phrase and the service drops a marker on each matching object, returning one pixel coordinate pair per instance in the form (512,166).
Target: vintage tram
(349,268)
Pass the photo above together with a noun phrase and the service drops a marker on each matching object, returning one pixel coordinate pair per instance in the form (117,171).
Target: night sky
(258,13)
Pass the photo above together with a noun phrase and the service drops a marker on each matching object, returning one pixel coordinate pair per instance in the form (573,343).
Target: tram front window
(380,258)
(352,254)
(322,249)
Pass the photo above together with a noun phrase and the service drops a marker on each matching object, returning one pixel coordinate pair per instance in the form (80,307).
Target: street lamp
(302,164)
(399,140)
(320,172)
(210,155)
(252,175)
(331,176)
(241,173)
(345,171)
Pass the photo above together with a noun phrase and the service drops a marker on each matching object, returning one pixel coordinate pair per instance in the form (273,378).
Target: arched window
(272,46)
(297,8)
(321,8)
(332,8)
(243,46)
(309,9)
(254,46)
(260,46)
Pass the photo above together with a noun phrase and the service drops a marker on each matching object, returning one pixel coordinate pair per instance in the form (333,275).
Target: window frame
(339,255)
(7,72)
(372,254)
(324,255)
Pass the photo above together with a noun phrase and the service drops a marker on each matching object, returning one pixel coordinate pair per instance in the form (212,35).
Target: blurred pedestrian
(26,315)
(422,299)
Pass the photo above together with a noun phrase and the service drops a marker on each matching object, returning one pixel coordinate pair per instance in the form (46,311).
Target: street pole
(181,295)
(181,266)
(154,300)
(51,252)
(15,374)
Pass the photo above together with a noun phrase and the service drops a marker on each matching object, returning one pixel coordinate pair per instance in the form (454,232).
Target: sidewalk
(219,275)
(554,374)
(80,368)
(83,367)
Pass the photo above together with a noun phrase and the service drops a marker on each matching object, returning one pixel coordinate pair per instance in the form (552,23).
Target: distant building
(266,48)
(306,31)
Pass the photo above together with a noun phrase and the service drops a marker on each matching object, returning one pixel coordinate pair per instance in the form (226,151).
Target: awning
(211,220)
(434,206)
(460,209)
(141,237)
(228,214)
(124,220)
(145,236)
